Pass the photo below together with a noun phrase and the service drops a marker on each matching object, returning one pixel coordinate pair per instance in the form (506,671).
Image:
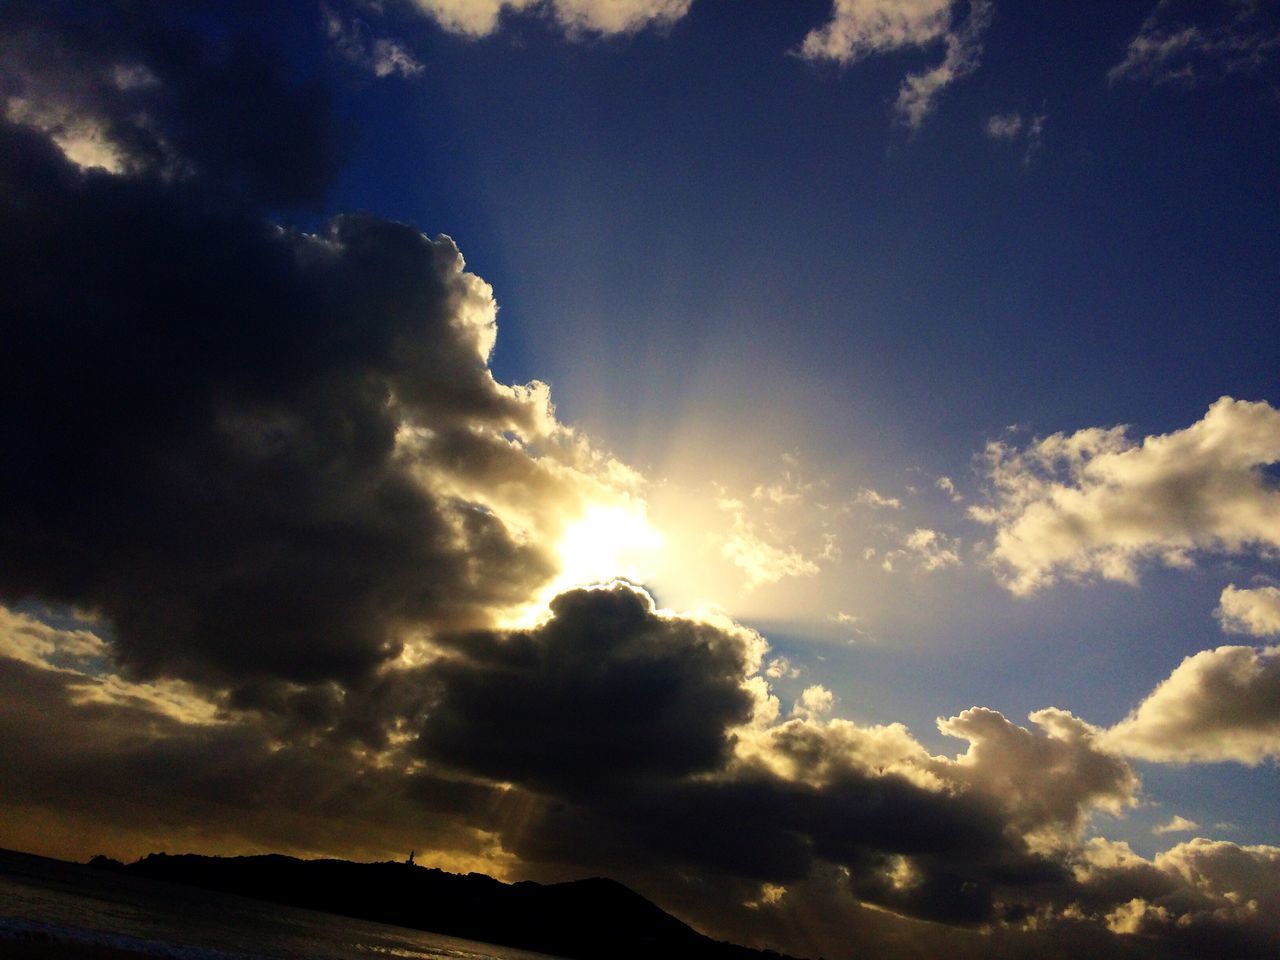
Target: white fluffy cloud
(1217,705)
(1178,824)
(928,550)
(478,18)
(1097,504)
(1255,612)
(861,28)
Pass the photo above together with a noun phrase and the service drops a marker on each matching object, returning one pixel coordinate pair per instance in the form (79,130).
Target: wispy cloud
(863,28)
(353,40)
(1016,128)
(1186,43)
(866,497)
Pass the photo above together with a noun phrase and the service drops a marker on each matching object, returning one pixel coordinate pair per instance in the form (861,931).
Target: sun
(605,542)
(608,541)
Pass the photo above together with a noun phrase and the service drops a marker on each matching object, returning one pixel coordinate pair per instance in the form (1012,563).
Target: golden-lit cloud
(862,28)
(1254,611)
(1217,705)
(479,18)
(1095,503)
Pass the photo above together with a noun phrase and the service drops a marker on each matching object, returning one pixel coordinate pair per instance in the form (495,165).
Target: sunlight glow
(606,542)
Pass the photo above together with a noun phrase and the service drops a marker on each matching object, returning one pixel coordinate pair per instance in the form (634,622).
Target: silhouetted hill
(584,919)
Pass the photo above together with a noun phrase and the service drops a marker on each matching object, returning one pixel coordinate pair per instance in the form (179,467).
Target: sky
(814,462)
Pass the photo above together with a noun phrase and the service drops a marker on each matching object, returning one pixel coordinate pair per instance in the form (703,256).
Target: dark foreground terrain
(594,919)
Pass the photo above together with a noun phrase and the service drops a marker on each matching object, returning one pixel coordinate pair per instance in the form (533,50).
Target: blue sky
(702,239)
(889,333)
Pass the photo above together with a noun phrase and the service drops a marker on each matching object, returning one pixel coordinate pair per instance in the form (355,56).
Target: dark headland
(594,919)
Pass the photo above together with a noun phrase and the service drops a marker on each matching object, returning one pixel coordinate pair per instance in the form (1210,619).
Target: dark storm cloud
(129,776)
(219,110)
(607,692)
(767,829)
(204,431)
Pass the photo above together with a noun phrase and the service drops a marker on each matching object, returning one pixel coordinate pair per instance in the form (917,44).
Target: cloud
(1048,780)
(780,531)
(761,561)
(867,497)
(1188,43)
(926,549)
(1202,898)
(479,18)
(517,749)
(131,90)
(862,28)
(781,668)
(1217,705)
(279,509)
(355,43)
(1095,503)
(261,455)
(1253,611)
(814,701)
(1013,127)
(948,486)
(1178,824)
(607,691)
(1006,126)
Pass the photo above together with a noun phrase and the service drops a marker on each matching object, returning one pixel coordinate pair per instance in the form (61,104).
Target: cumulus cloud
(479,18)
(1179,824)
(608,690)
(1096,503)
(1202,898)
(780,668)
(862,28)
(261,455)
(926,550)
(1187,43)
(1048,779)
(1253,611)
(1217,705)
